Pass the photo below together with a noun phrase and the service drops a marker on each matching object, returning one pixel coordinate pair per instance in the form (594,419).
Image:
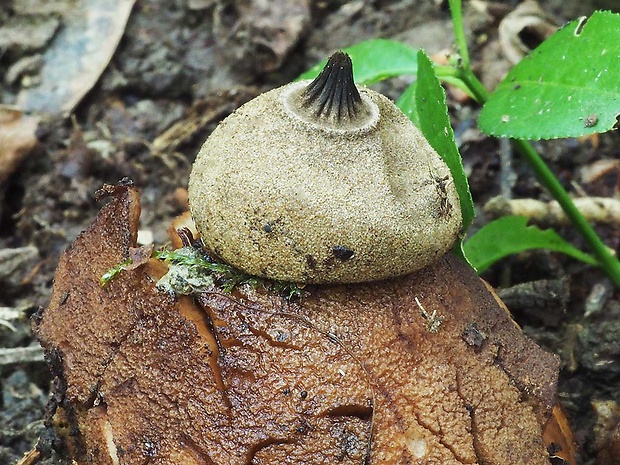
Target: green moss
(113,272)
(190,270)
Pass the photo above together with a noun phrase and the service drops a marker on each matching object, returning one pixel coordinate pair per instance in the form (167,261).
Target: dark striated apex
(333,92)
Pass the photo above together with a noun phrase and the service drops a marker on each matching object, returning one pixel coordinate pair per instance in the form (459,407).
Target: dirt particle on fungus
(282,336)
(304,428)
(342,253)
(63,298)
(350,445)
(433,319)
(311,261)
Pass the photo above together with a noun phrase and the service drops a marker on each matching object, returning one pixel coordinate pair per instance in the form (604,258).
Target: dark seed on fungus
(342,253)
(334,89)
(267,228)
(303,394)
(311,261)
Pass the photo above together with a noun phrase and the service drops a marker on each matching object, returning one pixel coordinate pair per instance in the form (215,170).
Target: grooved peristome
(333,92)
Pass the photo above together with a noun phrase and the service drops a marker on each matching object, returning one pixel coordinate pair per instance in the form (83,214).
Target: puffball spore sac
(323,182)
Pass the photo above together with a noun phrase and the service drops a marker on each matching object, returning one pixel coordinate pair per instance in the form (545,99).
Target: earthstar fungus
(319,182)
(395,353)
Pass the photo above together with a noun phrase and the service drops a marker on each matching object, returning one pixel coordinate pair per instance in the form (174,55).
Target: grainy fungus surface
(322,182)
(421,369)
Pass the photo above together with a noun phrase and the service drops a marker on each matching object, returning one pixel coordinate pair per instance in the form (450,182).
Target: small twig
(31,457)
(9,314)
(508,177)
(602,210)
(433,320)
(9,356)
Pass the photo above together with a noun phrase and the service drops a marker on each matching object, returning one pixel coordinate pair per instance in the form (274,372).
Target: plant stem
(607,261)
(459,32)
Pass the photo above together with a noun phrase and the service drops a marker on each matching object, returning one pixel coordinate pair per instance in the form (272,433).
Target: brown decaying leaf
(523,29)
(559,438)
(348,374)
(17,139)
(77,55)
(184,220)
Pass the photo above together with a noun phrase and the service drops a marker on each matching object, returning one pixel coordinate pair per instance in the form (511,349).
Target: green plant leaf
(375,60)
(434,122)
(567,87)
(406,103)
(510,235)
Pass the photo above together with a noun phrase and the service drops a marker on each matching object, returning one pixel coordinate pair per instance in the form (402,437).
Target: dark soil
(186,60)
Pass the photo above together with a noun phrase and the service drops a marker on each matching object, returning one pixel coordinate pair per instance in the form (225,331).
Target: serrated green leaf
(434,122)
(375,60)
(569,86)
(510,235)
(406,103)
